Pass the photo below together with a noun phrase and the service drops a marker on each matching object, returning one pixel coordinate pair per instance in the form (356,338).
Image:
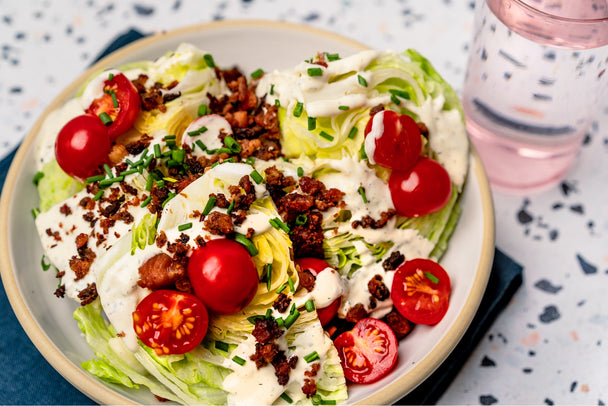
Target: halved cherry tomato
(367,352)
(82,145)
(399,144)
(425,189)
(170,322)
(316,266)
(123,108)
(223,275)
(421,291)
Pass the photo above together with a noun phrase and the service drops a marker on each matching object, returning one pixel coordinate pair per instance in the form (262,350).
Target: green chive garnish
(257,74)
(95,178)
(108,171)
(108,182)
(39,175)
(238,360)
(297,111)
(362,80)
(45,266)
(257,178)
(114,99)
(111,76)
(272,89)
(277,102)
(184,227)
(395,99)
(282,288)
(178,155)
(310,305)
(157,152)
(146,202)
(312,123)
(300,171)
(278,223)
(200,144)
(241,239)
(289,320)
(209,60)
(160,184)
(35,212)
(400,93)
(301,219)
(362,153)
(202,110)
(328,137)
(222,346)
(98,195)
(362,193)
(149,183)
(169,197)
(292,288)
(280,322)
(231,206)
(232,144)
(315,72)
(128,172)
(286,397)
(169,179)
(268,276)
(343,108)
(313,356)
(332,57)
(105,119)
(353,133)
(431,277)
(210,205)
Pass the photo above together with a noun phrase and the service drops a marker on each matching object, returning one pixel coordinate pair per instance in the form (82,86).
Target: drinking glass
(536,79)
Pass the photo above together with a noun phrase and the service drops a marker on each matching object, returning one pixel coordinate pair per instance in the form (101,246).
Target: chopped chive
(184,227)
(286,397)
(250,160)
(160,184)
(256,74)
(169,137)
(210,205)
(35,212)
(202,110)
(231,206)
(111,76)
(268,315)
(313,356)
(98,195)
(149,183)
(114,99)
(343,108)
(315,72)
(280,322)
(400,93)
(169,179)
(200,144)
(169,197)
(310,305)
(215,164)
(312,123)
(146,202)
(209,60)
(157,151)
(362,193)
(252,319)
(292,288)
(272,89)
(108,171)
(257,178)
(105,119)
(332,57)
(137,163)
(232,160)
(291,319)
(200,131)
(144,153)
(362,80)
(45,266)
(39,175)
(327,136)
(95,178)
(278,223)
(240,238)
(147,161)
(297,111)
(178,155)
(170,143)
(395,99)
(282,288)
(232,144)
(431,277)
(301,219)
(300,171)
(128,161)
(238,360)
(277,102)
(222,346)
(108,182)
(362,153)
(268,276)
(353,133)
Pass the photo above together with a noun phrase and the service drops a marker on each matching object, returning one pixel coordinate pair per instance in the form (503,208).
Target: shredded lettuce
(144,233)
(56,186)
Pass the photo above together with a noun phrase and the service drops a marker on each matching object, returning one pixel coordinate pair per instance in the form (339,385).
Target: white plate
(250,44)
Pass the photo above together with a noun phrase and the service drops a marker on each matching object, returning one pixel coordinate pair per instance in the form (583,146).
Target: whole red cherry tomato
(399,144)
(425,189)
(421,291)
(170,322)
(82,145)
(367,352)
(316,266)
(223,275)
(120,101)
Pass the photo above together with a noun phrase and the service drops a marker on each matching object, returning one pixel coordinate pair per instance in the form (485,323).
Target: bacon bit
(219,223)
(160,271)
(281,303)
(369,222)
(310,387)
(65,209)
(81,240)
(377,288)
(399,324)
(55,234)
(356,313)
(393,261)
(117,154)
(88,294)
(60,291)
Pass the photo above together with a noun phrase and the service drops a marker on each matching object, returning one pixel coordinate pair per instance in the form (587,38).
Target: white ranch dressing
(376,132)
(95,88)
(214,125)
(329,286)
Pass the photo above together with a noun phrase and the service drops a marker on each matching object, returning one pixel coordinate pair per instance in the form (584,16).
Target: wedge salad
(266,238)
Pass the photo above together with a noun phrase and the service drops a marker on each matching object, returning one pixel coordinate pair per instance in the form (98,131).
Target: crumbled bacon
(65,209)
(88,294)
(308,238)
(393,261)
(219,223)
(306,279)
(266,330)
(369,222)
(160,271)
(377,288)
(282,303)
(356,313)
(399,324)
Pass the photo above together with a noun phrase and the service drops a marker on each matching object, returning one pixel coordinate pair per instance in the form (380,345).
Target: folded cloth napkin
(23,368)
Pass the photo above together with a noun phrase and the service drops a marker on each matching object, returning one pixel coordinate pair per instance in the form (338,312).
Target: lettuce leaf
(56,185)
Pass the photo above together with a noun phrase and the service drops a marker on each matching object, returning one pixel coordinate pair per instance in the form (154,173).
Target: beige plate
(250,44)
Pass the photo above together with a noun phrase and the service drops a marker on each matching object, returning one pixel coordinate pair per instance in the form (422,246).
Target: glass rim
(569,20)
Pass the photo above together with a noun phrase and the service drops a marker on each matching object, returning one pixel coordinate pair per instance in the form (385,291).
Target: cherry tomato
(423,190)
(421,291)
(82,145)
(367,352)
(123,108)
(316,266)
(399,145)
(170,322)
(223,275)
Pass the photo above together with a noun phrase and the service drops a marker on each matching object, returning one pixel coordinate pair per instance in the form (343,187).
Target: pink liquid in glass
(534,83)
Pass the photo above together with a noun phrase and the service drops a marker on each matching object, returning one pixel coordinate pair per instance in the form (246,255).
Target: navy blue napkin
(26,377)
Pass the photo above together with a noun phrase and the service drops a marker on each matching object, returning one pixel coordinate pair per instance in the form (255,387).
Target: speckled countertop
(549,346)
